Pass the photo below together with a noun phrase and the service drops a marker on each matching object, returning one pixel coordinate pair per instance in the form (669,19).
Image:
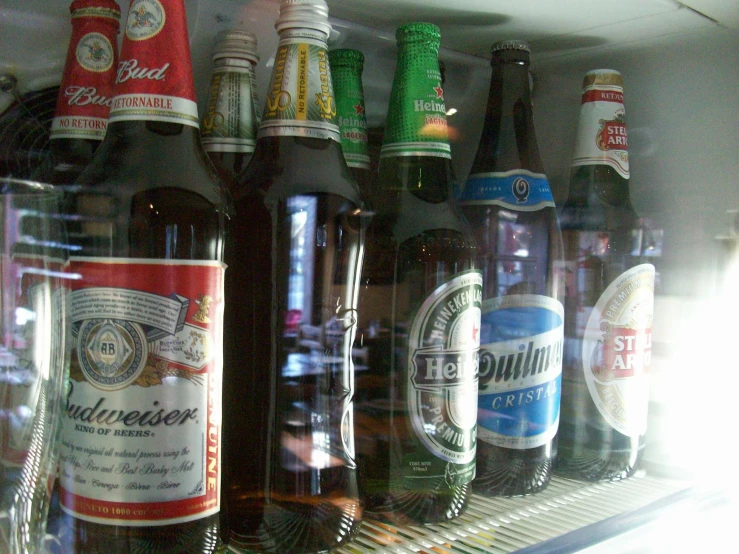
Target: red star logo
(439,91)
(475,331)
(358,109)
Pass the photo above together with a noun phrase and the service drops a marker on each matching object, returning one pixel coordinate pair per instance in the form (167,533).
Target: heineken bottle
(416,422)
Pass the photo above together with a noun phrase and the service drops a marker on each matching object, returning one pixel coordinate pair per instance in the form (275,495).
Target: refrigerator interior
(679,64)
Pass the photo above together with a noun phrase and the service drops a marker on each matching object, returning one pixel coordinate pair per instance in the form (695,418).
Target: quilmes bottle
(346,72)
(82,107)
(416,429)
(291,311)
(140,455)
(509,205)
(228,127)
(610,296)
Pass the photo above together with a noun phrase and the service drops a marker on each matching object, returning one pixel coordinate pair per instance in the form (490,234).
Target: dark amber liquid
(589,447)
(229,164)
(289,468)
(145,197)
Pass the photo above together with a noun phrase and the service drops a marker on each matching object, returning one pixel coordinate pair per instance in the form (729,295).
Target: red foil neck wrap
(86,90)
(154,78)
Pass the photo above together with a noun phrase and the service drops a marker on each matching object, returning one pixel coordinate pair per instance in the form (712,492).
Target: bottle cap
(510,45)
(310,14)
(418,31)
(608,77)
(95,8)
(346,57)
(236,43)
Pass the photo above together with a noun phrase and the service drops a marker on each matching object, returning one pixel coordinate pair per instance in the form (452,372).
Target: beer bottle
(610,296)
(140,469)
(346,72)
(228,128)
(416,427)
(81,114)
(295,254)
(509,205)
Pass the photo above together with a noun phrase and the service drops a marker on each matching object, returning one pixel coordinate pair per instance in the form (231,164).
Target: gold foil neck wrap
(609,77)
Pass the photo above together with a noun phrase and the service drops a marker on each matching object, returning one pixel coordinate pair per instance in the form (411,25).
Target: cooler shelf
(565,517)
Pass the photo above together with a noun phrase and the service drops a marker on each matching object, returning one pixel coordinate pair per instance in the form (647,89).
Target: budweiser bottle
(610,297)
(140,455)
(346,72)
(85,93)
(416,429)
(509,205)
(295,258)
(229,125)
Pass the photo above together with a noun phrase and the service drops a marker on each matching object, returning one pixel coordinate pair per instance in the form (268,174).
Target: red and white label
(154,77)
(142,416)
(617,348)
(83,104)
(601,134)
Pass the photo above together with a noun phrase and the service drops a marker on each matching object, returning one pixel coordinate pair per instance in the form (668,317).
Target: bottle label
(616,350)
(142,417)
(85,94)
(351,118)
(300,99)
(442,382)
(520,370)
(154,78)
(601,133)
(517,189)
(416,124)
(230,120)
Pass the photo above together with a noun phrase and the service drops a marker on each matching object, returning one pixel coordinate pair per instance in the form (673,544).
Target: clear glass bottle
(228,128)
(140,469)
(82,107)
(610,296)
(346,72)
(294,265)
(416,420)
(509,205)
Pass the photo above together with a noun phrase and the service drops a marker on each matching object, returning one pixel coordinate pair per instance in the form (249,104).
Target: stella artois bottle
(416,431)
(140,455)
(346,72)
(295,256)
(228,128)
(82,107)
(610,296)
(509,205)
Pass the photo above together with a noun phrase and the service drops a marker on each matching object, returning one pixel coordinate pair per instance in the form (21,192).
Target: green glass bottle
(346,72)
(416,422)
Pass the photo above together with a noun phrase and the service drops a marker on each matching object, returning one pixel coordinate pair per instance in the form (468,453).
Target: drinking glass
(34,357)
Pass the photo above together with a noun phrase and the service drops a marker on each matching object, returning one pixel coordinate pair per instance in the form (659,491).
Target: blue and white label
(517,189)
(520,370)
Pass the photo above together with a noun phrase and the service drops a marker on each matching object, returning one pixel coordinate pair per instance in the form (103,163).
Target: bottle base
(511,476)
(417,507)
(298,528)
(595,466)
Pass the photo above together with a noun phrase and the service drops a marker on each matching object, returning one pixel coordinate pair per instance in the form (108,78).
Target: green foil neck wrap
(346,72)
(416,120)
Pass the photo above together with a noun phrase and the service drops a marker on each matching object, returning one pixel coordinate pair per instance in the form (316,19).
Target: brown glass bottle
(294,260)
(229,125)
(83,104)
(604,386)
(510,208)
(415,426)
(139,467)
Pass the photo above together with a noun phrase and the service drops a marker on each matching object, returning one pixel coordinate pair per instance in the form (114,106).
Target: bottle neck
(508,139)
(351,117)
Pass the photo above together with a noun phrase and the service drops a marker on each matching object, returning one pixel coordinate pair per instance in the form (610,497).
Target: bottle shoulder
(286,166)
